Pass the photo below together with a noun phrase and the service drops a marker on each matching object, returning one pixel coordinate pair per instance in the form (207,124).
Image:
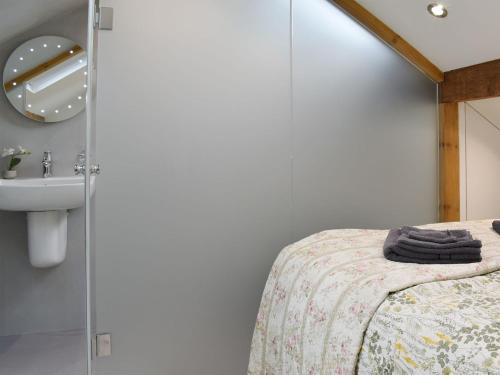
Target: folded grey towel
(437,236)
(456,238)
(399,247)
(496,226)
(422,237)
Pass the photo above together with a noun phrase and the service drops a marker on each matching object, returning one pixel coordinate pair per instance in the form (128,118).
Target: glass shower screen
(45,260)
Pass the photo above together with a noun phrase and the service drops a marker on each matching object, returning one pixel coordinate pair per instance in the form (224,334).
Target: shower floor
(51,353)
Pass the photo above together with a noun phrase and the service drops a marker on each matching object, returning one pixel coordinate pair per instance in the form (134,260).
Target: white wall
(222,139)
(480,159)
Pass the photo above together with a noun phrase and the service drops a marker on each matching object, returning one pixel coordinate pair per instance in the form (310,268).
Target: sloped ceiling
(469,35)
(18,16)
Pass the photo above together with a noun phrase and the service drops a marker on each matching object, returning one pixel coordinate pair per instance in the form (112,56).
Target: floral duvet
(445,327)
(325,291)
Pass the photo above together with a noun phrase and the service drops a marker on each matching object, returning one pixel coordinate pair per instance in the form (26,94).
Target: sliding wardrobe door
(481,158)
(365,128)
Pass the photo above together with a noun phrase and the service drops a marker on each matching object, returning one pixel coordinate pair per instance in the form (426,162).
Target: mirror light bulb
(14,83)
(71,52)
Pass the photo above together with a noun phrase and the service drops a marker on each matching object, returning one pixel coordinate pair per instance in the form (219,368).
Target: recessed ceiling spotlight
(69,106)
(29,105)
(71,51)
(21,58)
(437,10)
(58,46)
(19,96)
(44,45)
(79,98)
(32,50)
(42,110)
(56,111)
(14,83)
(14,70)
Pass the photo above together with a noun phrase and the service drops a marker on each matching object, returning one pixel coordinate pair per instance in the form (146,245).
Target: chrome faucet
(79,167)
(47,164)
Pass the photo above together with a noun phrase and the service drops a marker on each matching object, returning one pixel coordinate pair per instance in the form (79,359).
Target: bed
(333,305)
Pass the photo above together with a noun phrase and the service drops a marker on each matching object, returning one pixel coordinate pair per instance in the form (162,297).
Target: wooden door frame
(449,162)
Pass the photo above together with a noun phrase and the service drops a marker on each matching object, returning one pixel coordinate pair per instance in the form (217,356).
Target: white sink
(43,194)
(46,201)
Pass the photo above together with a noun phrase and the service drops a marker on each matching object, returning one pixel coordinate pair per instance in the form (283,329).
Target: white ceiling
(17,16)
(488,108)
(469,35)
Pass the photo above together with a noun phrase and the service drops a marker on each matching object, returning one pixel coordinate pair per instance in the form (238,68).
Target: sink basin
(43,194)
(46,202)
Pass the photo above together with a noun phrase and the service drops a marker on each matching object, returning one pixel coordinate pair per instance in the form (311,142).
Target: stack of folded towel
(496,226)
(426,246)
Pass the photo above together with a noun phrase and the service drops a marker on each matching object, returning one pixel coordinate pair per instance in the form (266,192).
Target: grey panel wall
(34,300)
(199,192)
(365,141)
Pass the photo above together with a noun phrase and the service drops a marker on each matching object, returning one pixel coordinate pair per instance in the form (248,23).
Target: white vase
(9,175)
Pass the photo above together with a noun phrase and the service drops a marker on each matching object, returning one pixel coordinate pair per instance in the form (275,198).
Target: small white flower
(22,151)
(8,152)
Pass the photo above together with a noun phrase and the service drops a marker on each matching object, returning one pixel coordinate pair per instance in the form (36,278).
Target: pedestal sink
(46,201)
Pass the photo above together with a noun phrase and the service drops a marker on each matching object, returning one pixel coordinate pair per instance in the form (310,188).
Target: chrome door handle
(80,169)
(95,169)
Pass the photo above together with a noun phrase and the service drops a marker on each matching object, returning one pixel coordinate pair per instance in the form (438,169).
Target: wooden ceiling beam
(474,82)
(386,34)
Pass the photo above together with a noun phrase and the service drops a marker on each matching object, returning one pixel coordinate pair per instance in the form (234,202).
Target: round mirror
(45,79)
